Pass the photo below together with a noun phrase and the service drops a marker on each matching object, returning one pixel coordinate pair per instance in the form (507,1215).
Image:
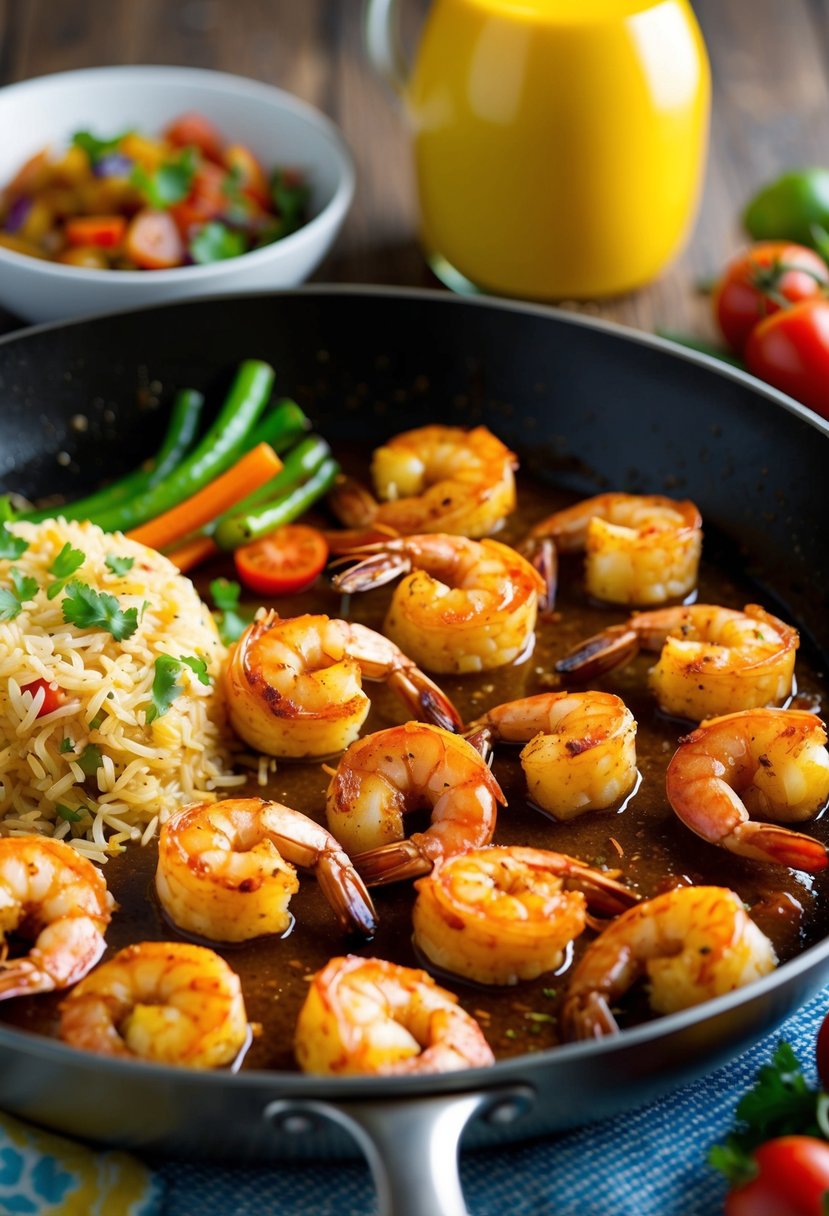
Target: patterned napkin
(648,1163)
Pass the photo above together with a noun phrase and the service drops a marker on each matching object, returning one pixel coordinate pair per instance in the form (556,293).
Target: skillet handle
(412,1145)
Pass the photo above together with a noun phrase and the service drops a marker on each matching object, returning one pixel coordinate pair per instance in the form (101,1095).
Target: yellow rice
(147,770)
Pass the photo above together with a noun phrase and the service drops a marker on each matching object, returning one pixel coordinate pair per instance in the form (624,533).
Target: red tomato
(251,175)
(792,1180)
(759,280)
(285,561)
(791,351)
(195,131)
(107,231)
(53,697)
(153,241)
(206,200)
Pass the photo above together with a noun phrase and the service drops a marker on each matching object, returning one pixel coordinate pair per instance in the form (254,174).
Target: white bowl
(279,129)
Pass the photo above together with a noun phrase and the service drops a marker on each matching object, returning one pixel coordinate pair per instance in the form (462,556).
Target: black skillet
(586,404)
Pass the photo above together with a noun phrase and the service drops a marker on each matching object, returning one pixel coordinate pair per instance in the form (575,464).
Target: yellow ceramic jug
(559,144)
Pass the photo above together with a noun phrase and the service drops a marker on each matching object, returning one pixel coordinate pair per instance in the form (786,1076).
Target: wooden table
(771,99)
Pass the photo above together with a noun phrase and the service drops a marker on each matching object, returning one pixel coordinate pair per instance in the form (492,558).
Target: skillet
(585,404)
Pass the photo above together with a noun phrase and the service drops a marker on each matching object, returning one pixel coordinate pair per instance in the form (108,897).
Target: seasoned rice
(147,770)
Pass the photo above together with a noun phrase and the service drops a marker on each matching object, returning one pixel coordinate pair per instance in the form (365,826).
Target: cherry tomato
(250,174)
(206,201)
(282,562)
(104,230)
(153,241)
(53,697)
(195,131)
(760,280)
(790,350)
(792,1180)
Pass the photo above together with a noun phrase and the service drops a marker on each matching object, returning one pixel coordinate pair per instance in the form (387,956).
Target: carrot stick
(192,553)
(256,467)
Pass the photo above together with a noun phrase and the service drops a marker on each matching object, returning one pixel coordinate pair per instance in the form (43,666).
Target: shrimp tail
(371,570)
(480,737)
(773,843)
(346,893)
(588,1016)
(342,542)
(425,699)
(352,502)
(68,949)
(541,553)
(611,648)
(395,862)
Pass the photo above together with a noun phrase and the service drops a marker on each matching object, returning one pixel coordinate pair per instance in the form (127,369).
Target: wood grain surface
(770,65)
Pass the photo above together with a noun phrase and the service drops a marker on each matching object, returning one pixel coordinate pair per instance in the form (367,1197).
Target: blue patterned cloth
(652,1163)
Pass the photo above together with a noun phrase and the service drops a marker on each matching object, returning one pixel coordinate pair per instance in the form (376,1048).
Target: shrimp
(692,944)
(639,548)
(712,660)
(170,1002)
(434,479)
(465,606)
(364,1015)
(294,686)
(770,762)
(224,870)
(52,895)
(500,915)
(581,748)
(385,775)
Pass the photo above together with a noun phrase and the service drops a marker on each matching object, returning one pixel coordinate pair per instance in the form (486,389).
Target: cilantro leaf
(94,147)
(11,546)
(90,609)
(119,565)
(230,623)
(198,667)
(165,686)
(215,242)
(170,182)
(66,745)
(13,598)
(63,567)
(90,759)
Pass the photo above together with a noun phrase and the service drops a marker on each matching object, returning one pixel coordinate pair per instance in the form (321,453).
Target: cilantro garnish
(66,812)
(90,759)
(170,182)
(94,147)
(226,598)
(63,567)
(66,745)
(11,546)
(165,682)
(90,609)
(119,565)
(13,598)
(290,195)
(215,242)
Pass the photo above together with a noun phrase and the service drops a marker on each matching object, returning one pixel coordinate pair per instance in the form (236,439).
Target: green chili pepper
(181,430)
(280,427)
(790,207)
(264,519)
(222,444)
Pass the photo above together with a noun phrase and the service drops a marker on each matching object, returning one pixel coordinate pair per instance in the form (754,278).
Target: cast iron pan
(586,404)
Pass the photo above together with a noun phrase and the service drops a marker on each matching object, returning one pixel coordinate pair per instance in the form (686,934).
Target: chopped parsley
(11,546)
(230,623)
(215,242)
(165,682)
(63,567)
(170,182)
(90,609)
(90,759)
(13,598)
(96,148)
(66,745)
(119,565)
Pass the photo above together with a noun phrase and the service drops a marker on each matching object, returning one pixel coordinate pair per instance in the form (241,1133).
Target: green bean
(264,519)
(222,444)
(181,430)
(281,426)
(228,530)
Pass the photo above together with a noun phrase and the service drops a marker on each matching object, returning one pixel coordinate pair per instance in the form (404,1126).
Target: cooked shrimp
(434,479)
(691,944)
(364,1015)
(581,748)
(225,873)
(406,768)
(53,896)
(294,686)
(170,1002)
(712,660)
(465,606)
(769,762)
(639,548)
(500,915)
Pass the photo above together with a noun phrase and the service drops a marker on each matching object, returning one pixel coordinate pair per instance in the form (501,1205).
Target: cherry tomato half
(790,350)
(283,562)
(153,241)
(760,281)
(792,1180)
(195,131)
(106,231)
(53,697)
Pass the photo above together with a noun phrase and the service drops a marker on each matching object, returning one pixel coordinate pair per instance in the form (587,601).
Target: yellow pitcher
(559,144)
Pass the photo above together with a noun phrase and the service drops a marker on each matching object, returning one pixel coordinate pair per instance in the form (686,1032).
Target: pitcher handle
(381,30)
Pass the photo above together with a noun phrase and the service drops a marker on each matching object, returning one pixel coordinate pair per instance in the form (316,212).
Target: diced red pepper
(105,231)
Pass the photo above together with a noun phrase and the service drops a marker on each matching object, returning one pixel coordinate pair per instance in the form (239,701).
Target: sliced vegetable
(106,231)
(53,697)
(259,521)
(153,241)
(90,759)
(255,468)
(284,562)
(90,609)
(281,426)
(221,446)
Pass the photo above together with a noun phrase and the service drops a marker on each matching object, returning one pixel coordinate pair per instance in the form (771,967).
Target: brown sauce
(644,841)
